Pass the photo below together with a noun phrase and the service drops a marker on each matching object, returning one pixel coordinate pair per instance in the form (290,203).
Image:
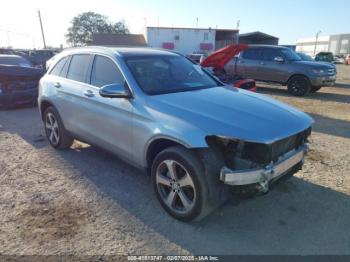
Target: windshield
(290,55)
(168,74)
(15,61)
(305,57)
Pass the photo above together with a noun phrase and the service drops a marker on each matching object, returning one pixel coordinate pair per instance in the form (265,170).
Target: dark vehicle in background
(325,57)
(18,81)
(39,57)
(282,65)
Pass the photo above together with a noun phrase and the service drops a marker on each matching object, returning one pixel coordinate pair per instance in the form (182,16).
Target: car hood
(229,112)
(315,64)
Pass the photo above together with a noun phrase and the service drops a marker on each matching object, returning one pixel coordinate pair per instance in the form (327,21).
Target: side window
(252,53)
(64,70)
(269,54)
(78,67)
(105,72)
(58,67)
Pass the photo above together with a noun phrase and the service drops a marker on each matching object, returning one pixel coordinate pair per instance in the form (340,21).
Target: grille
(331,71)
(264,154)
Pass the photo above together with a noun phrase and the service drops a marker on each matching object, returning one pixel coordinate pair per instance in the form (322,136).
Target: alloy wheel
(52,129)
(175,186)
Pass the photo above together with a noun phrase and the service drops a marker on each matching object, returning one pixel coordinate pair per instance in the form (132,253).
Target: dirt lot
(84,201)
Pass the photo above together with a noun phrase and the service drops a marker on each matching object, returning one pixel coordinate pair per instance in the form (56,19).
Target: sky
(287,19)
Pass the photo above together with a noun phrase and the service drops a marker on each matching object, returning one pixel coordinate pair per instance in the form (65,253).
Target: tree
(86,24)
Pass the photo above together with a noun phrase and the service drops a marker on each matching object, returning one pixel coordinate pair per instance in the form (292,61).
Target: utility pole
(318,33)
(42,30)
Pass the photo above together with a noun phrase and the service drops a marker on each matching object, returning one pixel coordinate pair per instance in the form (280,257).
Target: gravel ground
(84,201)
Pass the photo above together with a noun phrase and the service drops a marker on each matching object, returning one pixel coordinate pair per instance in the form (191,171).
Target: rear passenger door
(250,63)
(69,88)
(107,121)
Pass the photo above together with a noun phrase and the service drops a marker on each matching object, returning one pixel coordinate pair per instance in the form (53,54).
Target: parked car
(339,59)
(325,57)
(282,65)
(347,59)
(160,112)
(216,64)
(18,81)
(40,56)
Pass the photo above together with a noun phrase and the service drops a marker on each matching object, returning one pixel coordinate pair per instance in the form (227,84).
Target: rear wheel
(315,89)
(299,86)
(55,131)
(179,183)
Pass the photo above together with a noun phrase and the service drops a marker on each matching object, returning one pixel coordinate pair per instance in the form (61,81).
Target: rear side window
(252,53)
(56,71)
(105,72)
(78,67)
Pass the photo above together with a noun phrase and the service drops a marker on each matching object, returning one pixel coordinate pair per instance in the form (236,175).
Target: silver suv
(162,113)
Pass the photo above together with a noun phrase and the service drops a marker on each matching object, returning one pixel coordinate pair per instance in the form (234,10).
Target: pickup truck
(282,65)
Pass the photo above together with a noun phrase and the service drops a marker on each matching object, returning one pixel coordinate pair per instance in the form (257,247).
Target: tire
(55,132)
(314,89)
(299,86)
(182,193)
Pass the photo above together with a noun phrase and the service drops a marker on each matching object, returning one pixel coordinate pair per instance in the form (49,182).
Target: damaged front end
(249,163)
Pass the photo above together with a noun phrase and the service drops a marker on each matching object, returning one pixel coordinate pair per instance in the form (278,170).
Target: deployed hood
(229,112)
(221,57)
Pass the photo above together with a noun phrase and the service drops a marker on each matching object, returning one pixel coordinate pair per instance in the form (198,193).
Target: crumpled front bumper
(263,176)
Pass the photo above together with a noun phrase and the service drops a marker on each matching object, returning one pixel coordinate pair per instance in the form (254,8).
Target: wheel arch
(44,104)
(297,74)
(158,144)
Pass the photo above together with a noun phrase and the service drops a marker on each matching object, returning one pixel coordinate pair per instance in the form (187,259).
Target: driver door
(107,121)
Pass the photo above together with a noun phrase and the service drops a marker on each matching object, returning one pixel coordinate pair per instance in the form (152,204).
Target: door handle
(57,84)
(88,93)
(262,63)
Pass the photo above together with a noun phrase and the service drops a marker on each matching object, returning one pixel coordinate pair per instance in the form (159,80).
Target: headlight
(318,71)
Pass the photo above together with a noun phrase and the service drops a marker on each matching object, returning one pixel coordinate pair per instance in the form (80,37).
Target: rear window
(78,68)
(15,61)
(253,54)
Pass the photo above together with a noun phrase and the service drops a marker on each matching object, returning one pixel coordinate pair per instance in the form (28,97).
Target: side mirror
(279,59)
(114,91)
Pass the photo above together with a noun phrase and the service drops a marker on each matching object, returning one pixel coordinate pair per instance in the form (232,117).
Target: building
(258,38)
(337,44)
(190,40)
(119,40)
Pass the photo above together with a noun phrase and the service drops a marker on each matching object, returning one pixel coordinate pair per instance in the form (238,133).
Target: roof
(257,34)
(120,51)
(193,28)
(10,56)
(119,40)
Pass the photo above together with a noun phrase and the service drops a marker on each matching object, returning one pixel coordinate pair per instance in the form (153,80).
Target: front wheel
(179,183)
(299,86)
